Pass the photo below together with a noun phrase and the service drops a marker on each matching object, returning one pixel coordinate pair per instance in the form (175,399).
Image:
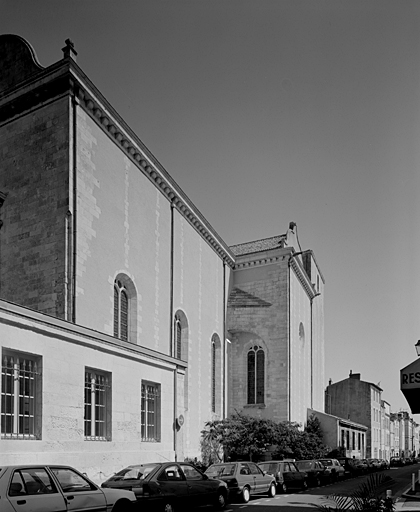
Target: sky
(272,111)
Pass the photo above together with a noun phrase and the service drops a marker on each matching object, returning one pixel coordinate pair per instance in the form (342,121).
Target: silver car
(40,488)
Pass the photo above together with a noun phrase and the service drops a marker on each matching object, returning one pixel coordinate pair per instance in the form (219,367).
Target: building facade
(126,322)
(343,435)
(358,401)
(275,309)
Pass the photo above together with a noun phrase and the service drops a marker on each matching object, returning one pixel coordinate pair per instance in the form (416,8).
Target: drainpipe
(171,284)
(312,352)
(224,341)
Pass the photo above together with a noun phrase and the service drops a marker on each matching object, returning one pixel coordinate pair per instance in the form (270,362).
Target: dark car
(243,479)
(316,471)
(286,473)
(169,485)
(353,467)
(39,488)
(396,461)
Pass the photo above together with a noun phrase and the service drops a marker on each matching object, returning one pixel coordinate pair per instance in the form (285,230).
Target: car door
(261,482)
(33,490)
(172,485)
(79,492)
(201,490)
(244,477)
(294,476)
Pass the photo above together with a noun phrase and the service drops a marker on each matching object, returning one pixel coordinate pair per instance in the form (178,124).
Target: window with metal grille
(97,405)
(256,375)
(178,338)
(150,412)
(20,396)
(120,311)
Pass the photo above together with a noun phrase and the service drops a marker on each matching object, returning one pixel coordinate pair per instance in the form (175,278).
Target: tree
(248,438)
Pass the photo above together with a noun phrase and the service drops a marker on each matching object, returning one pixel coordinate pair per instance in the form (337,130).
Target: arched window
(256,375)
(213,375)
(216,374)
(178,338)
(180,348)
(125,304)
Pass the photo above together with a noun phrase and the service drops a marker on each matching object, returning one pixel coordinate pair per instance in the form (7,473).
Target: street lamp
(417,345)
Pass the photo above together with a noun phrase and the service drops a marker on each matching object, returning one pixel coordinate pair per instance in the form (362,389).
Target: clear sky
(271,111)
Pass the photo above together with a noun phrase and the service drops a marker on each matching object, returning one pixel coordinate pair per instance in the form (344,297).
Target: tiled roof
(240,299)
(258,245)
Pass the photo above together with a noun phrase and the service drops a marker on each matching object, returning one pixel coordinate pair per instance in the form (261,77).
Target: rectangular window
(150,411)
(97,405)
(21,394)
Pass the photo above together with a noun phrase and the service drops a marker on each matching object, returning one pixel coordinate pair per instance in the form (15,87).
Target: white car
(40,488)
(337,471)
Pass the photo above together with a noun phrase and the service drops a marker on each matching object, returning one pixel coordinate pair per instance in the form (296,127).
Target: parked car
(41,488)
(243,479)
(317,472)
(362,465)
(336,469)
(169,485)
(384,464)
(286,473)
(374,464)
(351,467)
(396,461)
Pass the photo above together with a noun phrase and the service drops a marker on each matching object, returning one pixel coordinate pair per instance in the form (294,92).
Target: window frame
(21,387)
(255,375)
(93,390)
(150,432)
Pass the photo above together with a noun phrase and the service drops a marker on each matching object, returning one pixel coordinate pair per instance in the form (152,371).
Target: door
(172,486)
(79,492)
(32,490)
(262,482)
(201,490)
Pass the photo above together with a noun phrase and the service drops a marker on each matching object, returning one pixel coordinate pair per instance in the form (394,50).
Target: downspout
(224,341)
(171,315)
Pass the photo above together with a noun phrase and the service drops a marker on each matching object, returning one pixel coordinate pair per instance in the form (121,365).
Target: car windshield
(303,465)
(221,470)
(135,472)
(326,462)
(269,467)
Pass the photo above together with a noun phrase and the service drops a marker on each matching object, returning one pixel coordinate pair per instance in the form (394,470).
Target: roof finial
(68,50)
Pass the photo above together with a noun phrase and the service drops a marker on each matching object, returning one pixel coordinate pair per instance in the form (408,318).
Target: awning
(410,385)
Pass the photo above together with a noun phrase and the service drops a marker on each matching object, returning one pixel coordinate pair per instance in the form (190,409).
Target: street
(303,500)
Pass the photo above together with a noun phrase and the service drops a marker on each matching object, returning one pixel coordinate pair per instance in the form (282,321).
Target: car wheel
(220,502)
(272,490)
(283,487)
(168,507)
(245,495)
(304,485)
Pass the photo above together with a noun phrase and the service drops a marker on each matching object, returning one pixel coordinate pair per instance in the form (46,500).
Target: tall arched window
(125,306)
(256,375)
(216,375)
(178,338)
(213,375)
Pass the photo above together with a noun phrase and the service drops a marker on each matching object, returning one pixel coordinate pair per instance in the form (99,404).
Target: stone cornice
(302,276)
(66,77)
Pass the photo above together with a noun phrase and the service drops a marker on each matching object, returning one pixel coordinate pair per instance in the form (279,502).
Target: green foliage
(368,497)
(248,438)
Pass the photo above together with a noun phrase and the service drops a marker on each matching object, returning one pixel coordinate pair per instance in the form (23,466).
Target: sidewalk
(408,500)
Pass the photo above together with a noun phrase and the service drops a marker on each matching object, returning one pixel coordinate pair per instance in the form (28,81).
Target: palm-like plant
(368,497)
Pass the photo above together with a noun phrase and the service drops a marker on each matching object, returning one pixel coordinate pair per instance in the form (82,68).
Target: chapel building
(126,322)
